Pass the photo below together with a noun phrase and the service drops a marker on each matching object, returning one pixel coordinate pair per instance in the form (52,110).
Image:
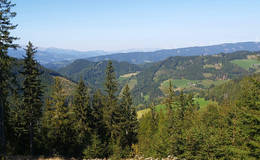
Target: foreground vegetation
(90,123)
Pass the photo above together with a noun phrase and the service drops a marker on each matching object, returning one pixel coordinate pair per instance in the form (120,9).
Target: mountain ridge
(159,55)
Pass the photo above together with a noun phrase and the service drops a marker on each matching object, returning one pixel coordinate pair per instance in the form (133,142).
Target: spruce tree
(32,94)
(112,109)
(97,113)
(83,114)
(249,104)
(129,125)
(6,42)
(57,122)
(99,139)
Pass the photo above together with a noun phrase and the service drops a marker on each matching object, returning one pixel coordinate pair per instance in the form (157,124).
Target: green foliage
(31,97)
(120,119)
(83,119)
(96,149)
(190,73)
(57,122)
(6,42)
(249,103)
(128,124)
(246,63)
(94,73)
(228,131)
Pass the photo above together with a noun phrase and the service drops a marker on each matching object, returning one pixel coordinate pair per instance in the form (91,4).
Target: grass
(207,75)
(201,101)
(216,66)
(207,82)
(147,110)
(189,84)
(128,75)
(132,83)
(246,63)
(67,85)
(142,112)
(179,83)
(146,98)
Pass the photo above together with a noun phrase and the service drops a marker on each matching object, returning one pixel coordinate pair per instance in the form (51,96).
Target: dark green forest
(40,116)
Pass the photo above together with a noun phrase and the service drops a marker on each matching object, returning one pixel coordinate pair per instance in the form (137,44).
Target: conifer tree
(32,94)
(112,110)
(249,104)
(83,114)
(170,121)
(129,123)
(57,122)
(99,139)
(6,42)
(97,113)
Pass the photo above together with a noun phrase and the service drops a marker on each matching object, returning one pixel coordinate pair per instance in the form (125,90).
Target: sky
(135,24)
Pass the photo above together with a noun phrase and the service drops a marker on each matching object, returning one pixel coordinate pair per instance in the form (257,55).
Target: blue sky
(135,24)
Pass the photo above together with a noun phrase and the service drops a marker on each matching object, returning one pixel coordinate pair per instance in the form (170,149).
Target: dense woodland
(102,123)
(147,80)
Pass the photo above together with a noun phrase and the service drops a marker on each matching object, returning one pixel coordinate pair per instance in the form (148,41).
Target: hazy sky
(133,24)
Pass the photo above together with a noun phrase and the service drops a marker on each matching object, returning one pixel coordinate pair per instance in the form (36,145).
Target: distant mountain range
(56,55)
(159,55)
(54,58)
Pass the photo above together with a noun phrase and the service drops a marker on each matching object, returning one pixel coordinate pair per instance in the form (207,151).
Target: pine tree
(83,114)
(32,93)
(6,42)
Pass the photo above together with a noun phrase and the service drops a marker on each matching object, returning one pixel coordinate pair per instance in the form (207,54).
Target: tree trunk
(2,132)
(31,138)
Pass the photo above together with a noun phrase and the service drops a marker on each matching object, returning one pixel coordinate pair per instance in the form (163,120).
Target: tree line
(87,125)
(227,131)
(96,124)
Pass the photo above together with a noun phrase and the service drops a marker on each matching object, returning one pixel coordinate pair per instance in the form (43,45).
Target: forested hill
(94,72)
(143,57)
(188,73)
(46,77)
(193,73)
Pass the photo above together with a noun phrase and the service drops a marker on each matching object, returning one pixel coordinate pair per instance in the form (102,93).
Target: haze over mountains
(144,57)
(54,58)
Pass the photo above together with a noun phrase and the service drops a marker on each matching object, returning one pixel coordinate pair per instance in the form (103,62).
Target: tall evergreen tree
(97,114)
(32,94)
(99,138)
(57,122)
(249,104)
(129,123)
(112,109)
(6,42)
(83,114)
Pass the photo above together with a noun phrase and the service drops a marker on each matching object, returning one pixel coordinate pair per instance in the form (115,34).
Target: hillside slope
(188,73)
(93,73)
(193,73)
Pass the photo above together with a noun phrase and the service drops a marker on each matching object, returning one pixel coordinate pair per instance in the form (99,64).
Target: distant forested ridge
(54,58)
(155,56)
(43,114)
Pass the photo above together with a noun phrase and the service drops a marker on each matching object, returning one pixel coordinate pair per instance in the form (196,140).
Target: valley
(189,73)
(170,80)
